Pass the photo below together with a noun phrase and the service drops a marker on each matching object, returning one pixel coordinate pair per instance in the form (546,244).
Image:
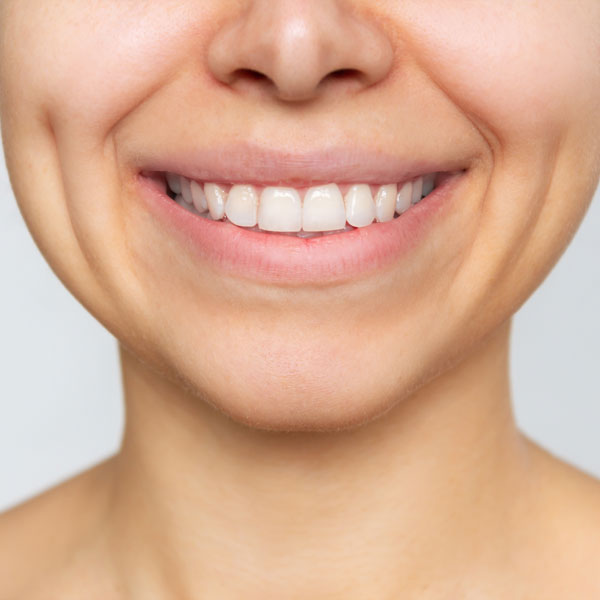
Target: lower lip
(288,260)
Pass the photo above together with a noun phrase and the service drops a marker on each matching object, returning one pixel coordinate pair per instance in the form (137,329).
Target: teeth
(198,197)
(417,190)
(428,184)
(360,209)
(186,190)
(404,197)
(323,209)
(280,209)
(241,205)
(216,196)
(385,203)
(174,182)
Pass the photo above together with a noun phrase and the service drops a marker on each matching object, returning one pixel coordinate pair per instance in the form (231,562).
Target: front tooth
(428,184)
(280,209)
(385,202)
(241,205)
(323,209)
(216,196)
(186,190)
(198,197)
(404,198)
(417,190)
(360,210)
(174,182)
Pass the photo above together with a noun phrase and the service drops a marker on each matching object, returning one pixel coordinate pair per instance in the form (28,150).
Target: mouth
(304,212)
(297,220)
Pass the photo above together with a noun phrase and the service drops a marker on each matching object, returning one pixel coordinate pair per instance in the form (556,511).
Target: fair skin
(335,438)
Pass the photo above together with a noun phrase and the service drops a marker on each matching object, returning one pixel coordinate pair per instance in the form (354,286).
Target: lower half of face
(302,238)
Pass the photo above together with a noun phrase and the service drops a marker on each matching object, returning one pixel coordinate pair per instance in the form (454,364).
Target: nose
(297,49)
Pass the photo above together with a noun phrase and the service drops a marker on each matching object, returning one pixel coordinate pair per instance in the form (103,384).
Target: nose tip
(296,49)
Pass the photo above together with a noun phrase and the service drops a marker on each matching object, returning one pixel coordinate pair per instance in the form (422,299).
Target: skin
(271,450)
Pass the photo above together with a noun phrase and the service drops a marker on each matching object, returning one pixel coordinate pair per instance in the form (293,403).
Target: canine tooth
(198,197)
(280,209)
(428,184)
(186,190)
(241,206)
(417,190)
(323,209)
(174,182)
(385,202)
(216,196)
(404,198)
(360,209)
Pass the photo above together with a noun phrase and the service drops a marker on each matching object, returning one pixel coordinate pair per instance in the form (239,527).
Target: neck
(404,501)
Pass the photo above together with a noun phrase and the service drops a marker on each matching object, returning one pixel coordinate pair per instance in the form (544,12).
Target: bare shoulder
(568,529)
(41,537)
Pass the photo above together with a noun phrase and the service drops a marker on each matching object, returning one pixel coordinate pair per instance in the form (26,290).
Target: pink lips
(254,164)
(286,260)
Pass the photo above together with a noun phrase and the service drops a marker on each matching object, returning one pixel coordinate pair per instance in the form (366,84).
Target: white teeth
(360,209)
(280,209)
(385,202)
(404,197)
(198,197)
(428,184)
(186,190)
(323,209)
(216,196)
(417,190)
(241,206)
(174,182)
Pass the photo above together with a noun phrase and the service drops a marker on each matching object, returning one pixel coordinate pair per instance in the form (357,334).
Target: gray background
(60,397)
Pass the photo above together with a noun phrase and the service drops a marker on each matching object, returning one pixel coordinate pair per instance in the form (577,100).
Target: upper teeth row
(282,209)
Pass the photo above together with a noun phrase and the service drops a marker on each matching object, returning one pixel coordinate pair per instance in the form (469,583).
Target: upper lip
(255,164)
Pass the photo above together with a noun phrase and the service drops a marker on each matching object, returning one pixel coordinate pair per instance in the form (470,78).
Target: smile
(303,212)
(287,219)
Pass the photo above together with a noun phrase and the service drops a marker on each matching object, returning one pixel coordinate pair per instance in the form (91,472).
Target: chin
(294,411)
(293,397)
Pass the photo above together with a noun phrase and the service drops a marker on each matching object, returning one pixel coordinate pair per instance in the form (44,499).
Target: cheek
(105,60)
(518,69)
(499,61)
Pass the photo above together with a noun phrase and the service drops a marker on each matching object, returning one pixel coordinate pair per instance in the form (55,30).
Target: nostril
(287,49)
(249,74)
(347,78)
(345,74)
(246,75)
(245,78)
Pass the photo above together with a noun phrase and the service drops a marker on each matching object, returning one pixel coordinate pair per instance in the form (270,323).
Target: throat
(356,513)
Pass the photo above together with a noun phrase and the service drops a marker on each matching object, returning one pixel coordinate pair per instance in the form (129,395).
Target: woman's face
(100,99)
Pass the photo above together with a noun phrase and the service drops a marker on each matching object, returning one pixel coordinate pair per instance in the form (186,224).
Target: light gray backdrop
(60,397)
